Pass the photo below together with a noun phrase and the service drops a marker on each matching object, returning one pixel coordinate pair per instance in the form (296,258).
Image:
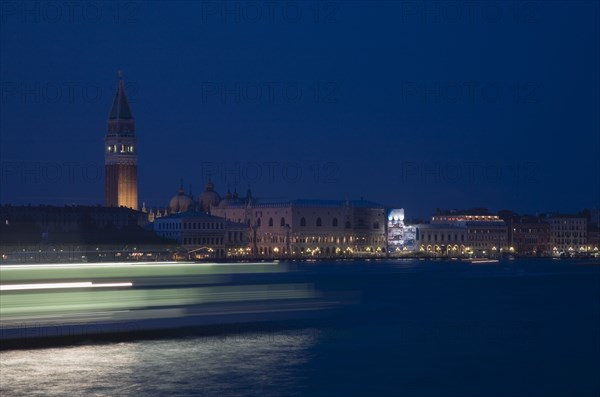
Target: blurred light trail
(89,284)
(82,272)
(85,299)
(85,265)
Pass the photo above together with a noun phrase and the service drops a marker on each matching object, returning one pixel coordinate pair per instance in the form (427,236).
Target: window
(303,222)
(319,223)
(282,222)
(334,223)
(348,225)
(270,222)
(258,222)
(376,225)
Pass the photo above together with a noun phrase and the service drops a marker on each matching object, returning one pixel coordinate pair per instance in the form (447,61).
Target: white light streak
(129,264)
(86,284)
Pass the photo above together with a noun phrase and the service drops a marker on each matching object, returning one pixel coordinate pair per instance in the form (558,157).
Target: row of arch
(446,250)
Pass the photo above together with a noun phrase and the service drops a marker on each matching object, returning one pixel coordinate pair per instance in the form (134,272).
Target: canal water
(415,328)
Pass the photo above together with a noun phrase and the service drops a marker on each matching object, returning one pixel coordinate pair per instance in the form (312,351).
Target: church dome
(209,197)
(225,203)
(181,202)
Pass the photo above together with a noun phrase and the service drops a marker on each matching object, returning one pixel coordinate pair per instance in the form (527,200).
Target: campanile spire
(120,153)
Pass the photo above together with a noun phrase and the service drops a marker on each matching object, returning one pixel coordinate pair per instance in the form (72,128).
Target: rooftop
(306,203)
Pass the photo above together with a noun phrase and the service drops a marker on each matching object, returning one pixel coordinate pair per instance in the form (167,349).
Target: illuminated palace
(308,228)
(120,154)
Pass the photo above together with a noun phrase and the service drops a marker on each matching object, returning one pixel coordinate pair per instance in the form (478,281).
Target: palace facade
(309,228)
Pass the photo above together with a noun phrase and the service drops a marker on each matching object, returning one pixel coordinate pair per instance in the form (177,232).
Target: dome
(209,197)
(225,203)
(181,202)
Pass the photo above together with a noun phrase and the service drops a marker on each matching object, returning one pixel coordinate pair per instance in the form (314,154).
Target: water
(420,328)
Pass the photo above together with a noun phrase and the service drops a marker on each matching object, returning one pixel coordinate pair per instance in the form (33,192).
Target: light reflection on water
(244,364)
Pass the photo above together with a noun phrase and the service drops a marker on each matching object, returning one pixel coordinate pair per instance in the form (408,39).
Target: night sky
(413,105)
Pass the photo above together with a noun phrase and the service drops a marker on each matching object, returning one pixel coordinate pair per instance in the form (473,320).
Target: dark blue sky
(415,105)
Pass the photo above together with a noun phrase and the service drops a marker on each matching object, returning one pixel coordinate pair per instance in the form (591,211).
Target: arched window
(270,222)
(258,222)
(319,222)
(282,222)
(303,222)
(335,222)
(348,225)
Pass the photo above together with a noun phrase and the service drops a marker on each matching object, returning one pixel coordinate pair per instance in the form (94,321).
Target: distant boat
(483,260)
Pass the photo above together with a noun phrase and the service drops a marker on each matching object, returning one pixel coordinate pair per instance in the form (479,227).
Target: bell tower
(120,154)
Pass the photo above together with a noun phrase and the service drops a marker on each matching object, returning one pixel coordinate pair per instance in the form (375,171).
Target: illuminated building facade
(401,238)
(309,228)
(449,240)
(468,233)
(120,154)
(569,234)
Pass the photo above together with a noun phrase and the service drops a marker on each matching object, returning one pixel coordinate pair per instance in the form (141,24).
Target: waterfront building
(120,154)
(569,234)
(75,233)
(448,240)
(463,233)
(70,218)
(308,228)
(593,240)
(529,236)
(204,236)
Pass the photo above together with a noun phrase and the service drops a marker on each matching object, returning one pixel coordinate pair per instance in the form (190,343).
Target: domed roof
(181,202)
(225,202)
(209,197)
